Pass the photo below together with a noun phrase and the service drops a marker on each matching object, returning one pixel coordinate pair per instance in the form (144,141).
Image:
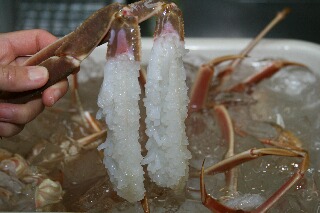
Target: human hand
(14,49)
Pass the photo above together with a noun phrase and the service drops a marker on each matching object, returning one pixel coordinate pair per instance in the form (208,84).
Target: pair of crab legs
(116,24)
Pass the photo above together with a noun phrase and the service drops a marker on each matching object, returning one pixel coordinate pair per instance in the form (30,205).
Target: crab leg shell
(173,15)
(226,128)
(200,88)
(144,9)
(287,185)
(247,156)
(210,202)
(265,73)
(65,55)
(229,69)
(124,37)
(53,64)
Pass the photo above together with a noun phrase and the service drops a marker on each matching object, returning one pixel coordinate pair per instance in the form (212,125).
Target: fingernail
(55,97)
(37,73)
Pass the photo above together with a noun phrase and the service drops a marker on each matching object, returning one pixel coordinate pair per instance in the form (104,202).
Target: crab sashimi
(166,107)
(118,102)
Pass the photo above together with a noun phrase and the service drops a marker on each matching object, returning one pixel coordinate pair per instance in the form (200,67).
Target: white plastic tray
(300,51)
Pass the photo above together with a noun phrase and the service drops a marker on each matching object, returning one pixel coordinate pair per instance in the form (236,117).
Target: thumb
(18,78)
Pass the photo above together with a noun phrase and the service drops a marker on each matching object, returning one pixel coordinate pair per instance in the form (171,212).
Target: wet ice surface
(294,104)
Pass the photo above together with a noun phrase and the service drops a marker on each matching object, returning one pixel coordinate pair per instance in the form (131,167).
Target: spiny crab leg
(65,55)
(229,69)
(249,155)
(200,88)
(267,72)
(226,128)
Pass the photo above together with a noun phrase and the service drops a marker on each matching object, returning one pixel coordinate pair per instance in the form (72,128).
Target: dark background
(203,18)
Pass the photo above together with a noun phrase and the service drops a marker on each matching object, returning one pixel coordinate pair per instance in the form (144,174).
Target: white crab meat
(118,102)
(166,106)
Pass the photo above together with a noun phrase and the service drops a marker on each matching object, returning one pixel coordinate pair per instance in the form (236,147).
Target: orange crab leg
(226,127)
(285,187)
(229,69)
(243,157)
(265,73)
(210,202)
(200,88)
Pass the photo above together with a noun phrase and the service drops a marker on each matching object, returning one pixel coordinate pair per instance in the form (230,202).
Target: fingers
(21,43)
(20,113)
(8,129)
(13,117)
(51,95)
(18,79)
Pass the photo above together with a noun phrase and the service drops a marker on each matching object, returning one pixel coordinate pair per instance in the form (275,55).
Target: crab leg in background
(226,127)
(118,102)
(223,74)
(246,156)
(166,102)
(205,74)
(267,72)
(200,88)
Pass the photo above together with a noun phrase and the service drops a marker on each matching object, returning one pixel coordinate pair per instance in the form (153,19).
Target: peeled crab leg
(118,102)
(200,88)
(166,102)
(229,69)
(226,128)
(243,157)
(265,73)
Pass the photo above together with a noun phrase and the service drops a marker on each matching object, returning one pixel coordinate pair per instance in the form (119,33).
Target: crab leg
(251,154)
(226,127)
(229,69)
(265,73)
(118,102)
(200,88)
(166,102)
(210,202)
